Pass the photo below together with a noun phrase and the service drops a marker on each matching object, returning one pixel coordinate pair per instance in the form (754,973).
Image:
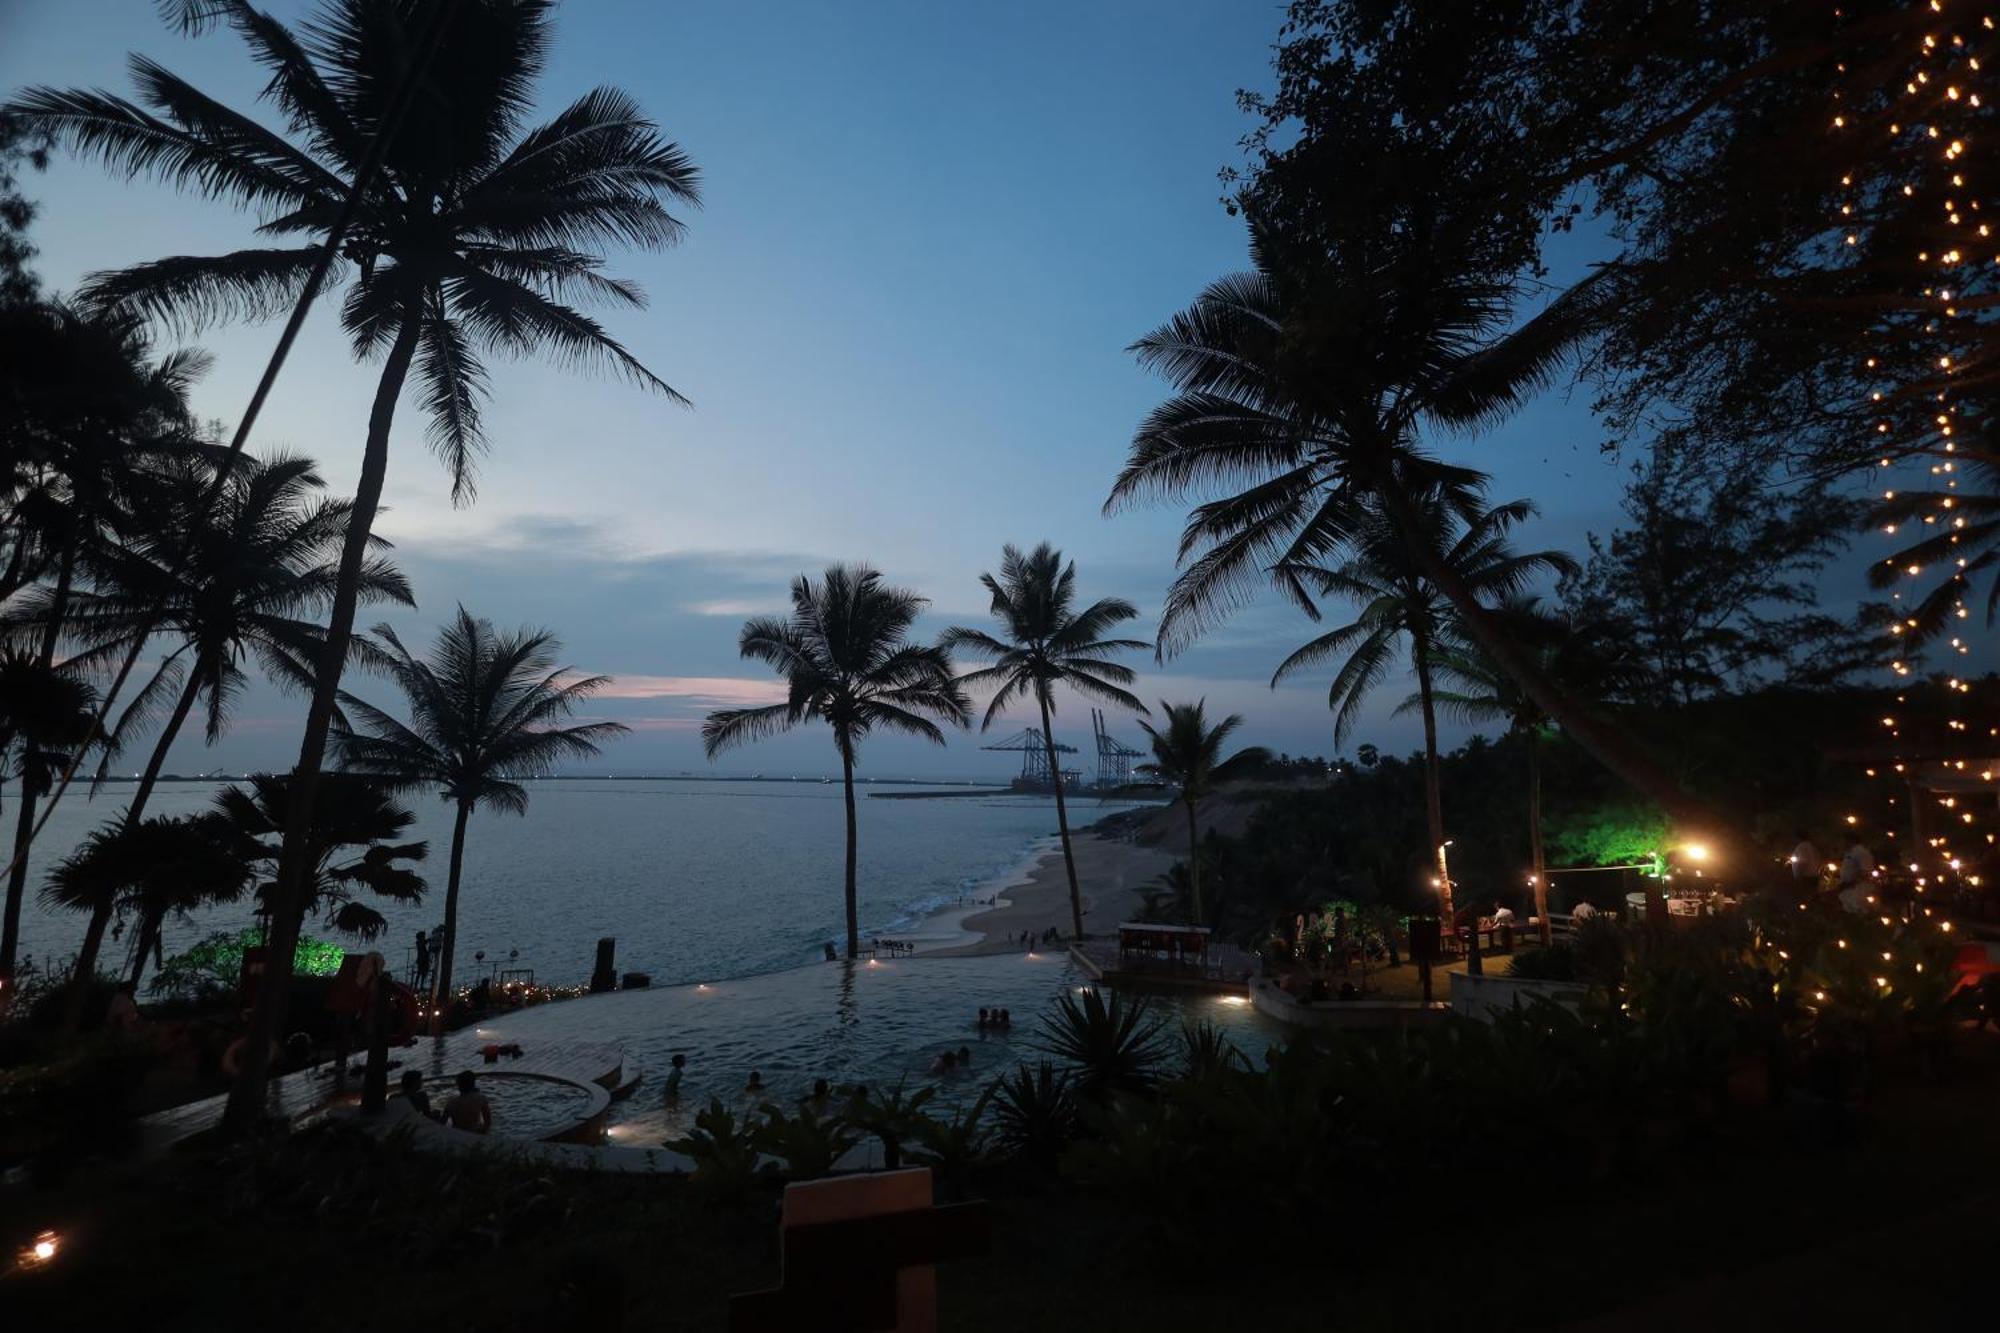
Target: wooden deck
(1225,972)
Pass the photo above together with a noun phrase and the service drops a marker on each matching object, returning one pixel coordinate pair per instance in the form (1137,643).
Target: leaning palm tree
(90,412)
(465,232)
(1388,575)
(244,570)
(1044,640)
(1187,752)
(46,712)
(486,709)
(847,661)
(1302,392)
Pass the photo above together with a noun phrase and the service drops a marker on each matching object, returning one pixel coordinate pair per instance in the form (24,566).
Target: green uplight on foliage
(1611,835)
(217,961)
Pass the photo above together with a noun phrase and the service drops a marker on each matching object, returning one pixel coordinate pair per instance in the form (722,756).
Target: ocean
(697,880)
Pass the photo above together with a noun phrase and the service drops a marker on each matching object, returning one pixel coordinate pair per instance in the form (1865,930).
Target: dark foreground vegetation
(1739,1109)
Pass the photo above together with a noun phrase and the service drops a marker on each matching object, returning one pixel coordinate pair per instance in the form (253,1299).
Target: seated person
(1582,912)
(469,1110)
(414,1094)
(1503,915)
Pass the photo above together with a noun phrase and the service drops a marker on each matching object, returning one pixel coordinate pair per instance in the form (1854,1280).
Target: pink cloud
(704,691)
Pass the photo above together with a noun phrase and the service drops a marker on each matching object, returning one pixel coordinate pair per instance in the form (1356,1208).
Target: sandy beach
(1111,873)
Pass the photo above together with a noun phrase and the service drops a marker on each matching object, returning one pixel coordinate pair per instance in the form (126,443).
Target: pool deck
(301,1097)
(1228,971)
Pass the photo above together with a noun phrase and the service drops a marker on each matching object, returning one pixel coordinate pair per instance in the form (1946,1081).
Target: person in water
(469,1110)
(677,1071)
(983,1020)
(414,1094)
(755,1084)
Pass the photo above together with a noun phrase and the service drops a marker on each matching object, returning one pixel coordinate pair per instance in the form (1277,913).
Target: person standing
(423,958)
(1805,861)
(1857,875)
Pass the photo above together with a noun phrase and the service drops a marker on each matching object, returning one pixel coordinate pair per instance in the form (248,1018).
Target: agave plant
(1206,1054)
(1114,1046)
(1034,1113)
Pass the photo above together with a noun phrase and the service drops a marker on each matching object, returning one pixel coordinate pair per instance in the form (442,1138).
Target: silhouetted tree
(846,660)
(1044,640)
(1187,752)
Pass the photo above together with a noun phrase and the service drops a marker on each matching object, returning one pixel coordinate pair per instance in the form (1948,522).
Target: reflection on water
(846,1023)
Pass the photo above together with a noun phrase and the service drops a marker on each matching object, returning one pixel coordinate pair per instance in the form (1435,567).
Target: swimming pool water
(877,1024)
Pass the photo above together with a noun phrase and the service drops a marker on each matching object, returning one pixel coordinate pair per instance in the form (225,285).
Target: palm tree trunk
(1609,746)
(85,967)
(853,840)
(246,1097)
(1062,811)
(150,778)
(441,995)
(31,756)
(1541,874)
(1194,862)
(148,941)
(1433,788)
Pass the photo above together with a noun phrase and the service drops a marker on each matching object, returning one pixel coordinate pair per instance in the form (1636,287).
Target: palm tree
(189,862)
(245,569)
(353,844)
(45,714)
(159,865)
(847,661)
(89,414)
(472,237)
(1400,601)
(485,710)
(1188,752)
(1963,539)
(1302,391)
(1476,690)
(1044,640)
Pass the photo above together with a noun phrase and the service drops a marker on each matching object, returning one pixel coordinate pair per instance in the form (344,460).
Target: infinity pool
(878,1024)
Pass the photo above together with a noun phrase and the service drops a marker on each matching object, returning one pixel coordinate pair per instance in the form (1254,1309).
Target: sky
(928,234)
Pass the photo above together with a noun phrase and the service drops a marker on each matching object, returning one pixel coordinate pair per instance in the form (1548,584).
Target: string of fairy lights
(1911,146)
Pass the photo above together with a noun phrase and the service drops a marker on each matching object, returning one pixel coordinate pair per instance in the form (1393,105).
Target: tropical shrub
(894,1120)
(1114,1045)
(1035,1114)
(722,1147)
(807,1143)
(215,964)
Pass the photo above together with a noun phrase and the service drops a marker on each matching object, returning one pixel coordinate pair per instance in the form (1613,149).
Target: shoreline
(1111,873)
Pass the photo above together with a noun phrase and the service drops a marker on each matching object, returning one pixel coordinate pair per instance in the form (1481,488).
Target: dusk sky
(930,231)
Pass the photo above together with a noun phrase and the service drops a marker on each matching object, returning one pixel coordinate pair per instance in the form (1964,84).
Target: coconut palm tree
(464,231)
(485,710)
(157,866)
(1303,391)
(45,714)
(89,411)
(1044,640)
(847,661)
(1476,690)
(1400,602)
(1187,752)
(354,845)
(243,570)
